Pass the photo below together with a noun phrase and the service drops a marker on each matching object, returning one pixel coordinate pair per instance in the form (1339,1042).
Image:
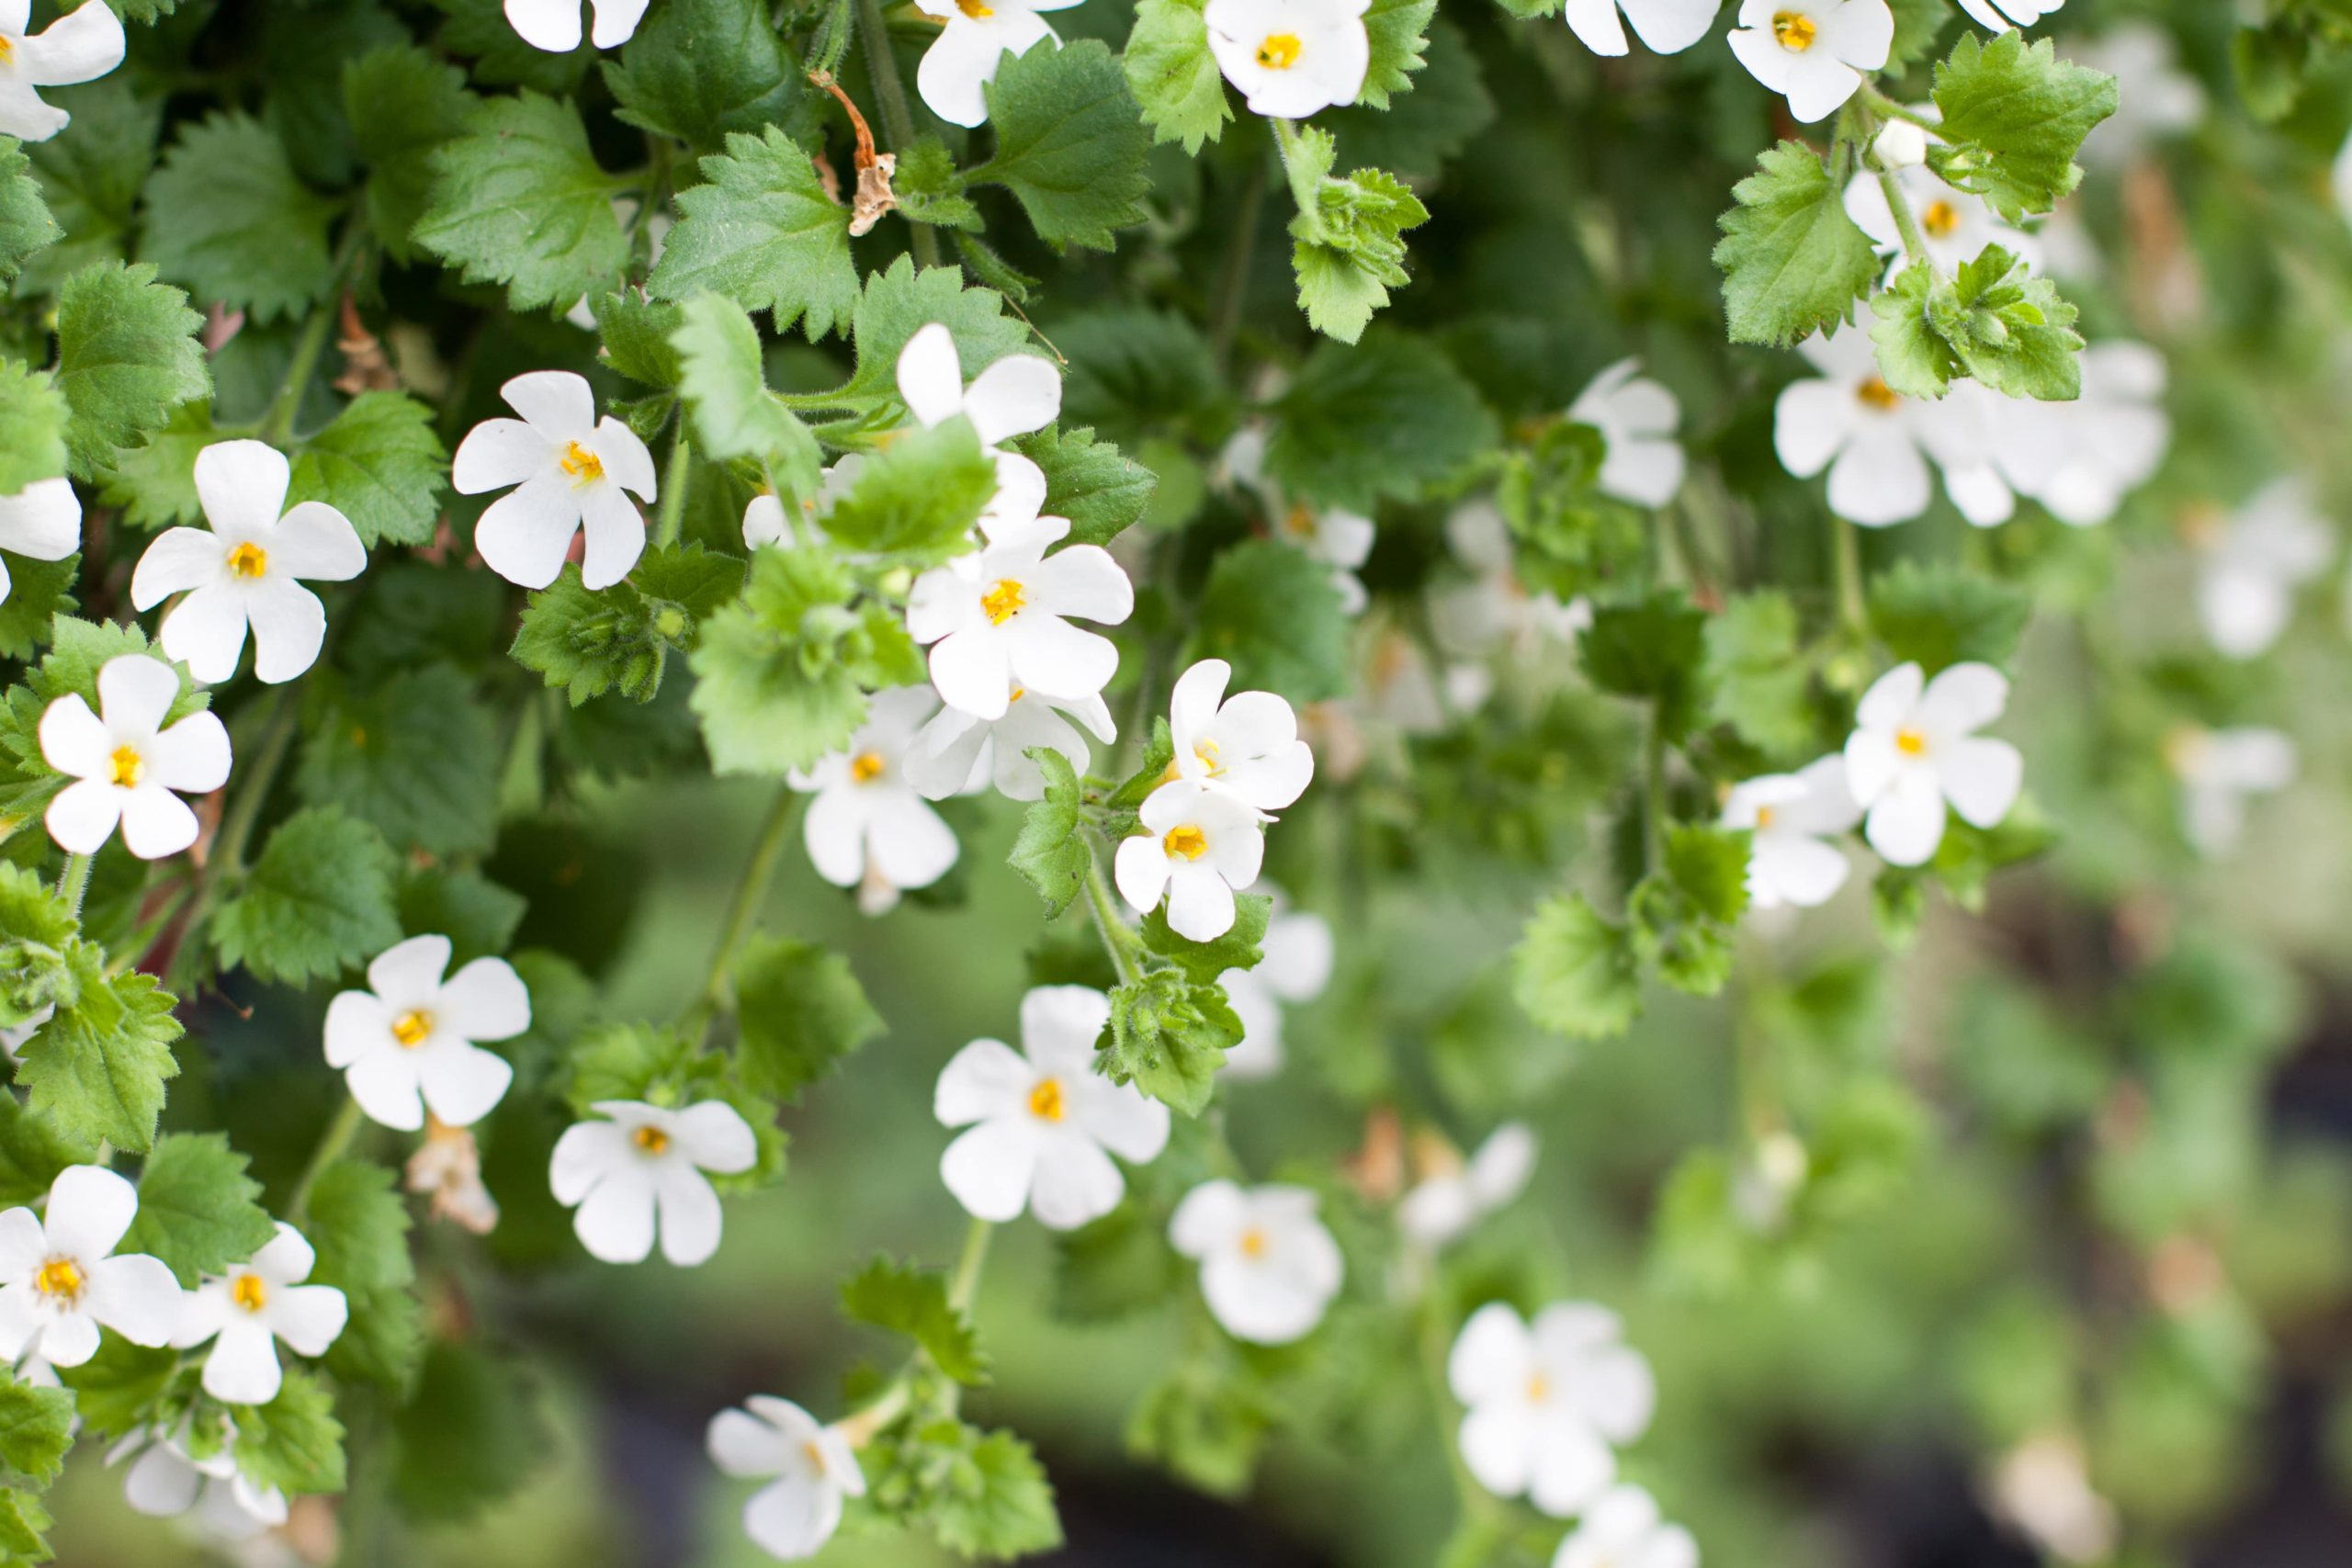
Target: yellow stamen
(1253,1242)
(125,766)
(1300,521)
(1940,220)
(975,9)
(1003,603)
(1877,394)
(59,1277)
(812,1450)
(1763,817)
(584,466)
(410,1028)
(1018,692)
(1795,31)
(866,766)
(1279,52)
(1911,742)
(1188,842)
(650,1138)
(8,52)
(1539,1388)
(1045,1101)
(248,559)
(249,1292)
(1206,753)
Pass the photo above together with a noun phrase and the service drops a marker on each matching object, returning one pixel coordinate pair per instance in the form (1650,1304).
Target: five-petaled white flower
(1447,1203)
(554,25)
(1955,225)
(81,46)
(958,752)
(1875,441)
(1638,418)
(1199,847)
(42,521)
(1998,15)
(1813,51)
(1667,26)
(1291,58)
(998,620)
(1246,746)
(868,827)
(1269,1268)
(1296,969)
(2220,770)
(643,1161)
(569,471)
(974,38)
(2081,458)
(1041,1124)
(247,1311)
(1623,1529)
(2255,561)
(60,1279)
(165,1481)
(814,1468)
(1915,747)
(1547,1400)
(126,761)
(410,1041)
(1338,538)
(1791,819)
(244,569)
(1015,395)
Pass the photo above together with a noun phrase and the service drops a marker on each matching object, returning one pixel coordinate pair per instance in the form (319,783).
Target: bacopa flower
(1198,847)
(1998,15)
(1546,1402)
(2081,458)
(1813,51)
(956,751)
(246,570)
(1269,1268)
(411,1039)
(1638,418)
(1791,819)
(126,761)
(1246,746)
(81,46)
(2220,770)
(999,619)
(1296,969)
(165,1481)
(973,41)
(569,471)
(1497,609)
(1041,1124)
(1291,58)
(2253,564)
(1340,539)
(1448,1202)
(554,25)
(814,1468)
(642,1162)
(763,521)
(868,826)
(1914,748)
(1875,441)
(1015,395)
(1623,1529)
(60,1279)
(1956,225)
(1667,26)
(42,521)
(247,1310)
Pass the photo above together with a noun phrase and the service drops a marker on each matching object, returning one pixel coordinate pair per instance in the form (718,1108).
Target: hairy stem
(674,488)
(975,1255)
(897,121)
(277,423)
(1914,243)
(1233,278)
(1845,550)
(1116,938)
(74,881)
(741,910)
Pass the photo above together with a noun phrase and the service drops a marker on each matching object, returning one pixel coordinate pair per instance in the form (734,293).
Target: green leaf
(1271,611)
(1397,33)
(403,106)
(228,218)
(2013,117)
(520,199)
(901,300)
(380,464)
(1994,322)
(637,334)
(1119,1265)
(26,225)
(127,356)
(319,901)
(475,1430)
(116,1389)
(721,378)
(1099,489)
(155,484)
(1206,1430)
(912,1303)
(1348,253)
(294,1442)
(33,1152)
(1069,144)
(763,233)
(91,179)
(917,499)
(798,1010)
(476,915)
(1168,1037)
(1172,75)
(359,1226)
(197,1209)
(97,1069)
(1574,973)
(930,187)
(1759,673)
(1049,854)
(1389,418)
(33,416)
(698,69)
(1794,264)
(619,640)
(1941,615)
(36,1428)
(1003,1507)
(1682,917)
(416,759)
(25,1523)
(1204,961)
(1653,648)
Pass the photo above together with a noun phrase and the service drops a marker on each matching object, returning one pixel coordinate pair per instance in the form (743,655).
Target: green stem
(74,881)
(741,910)
(1845,548)
(673,489)
(1233,278)
(897,121)
(278,423)
(332,1143)
(1914,243)
(1116,936)
(1302,179)
(1878,103)
(966,1280)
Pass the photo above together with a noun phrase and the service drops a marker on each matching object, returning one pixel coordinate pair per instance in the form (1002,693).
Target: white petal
(525,533)
(1119,1117)
(286,1259)
(90,1207)
(931,381)
(356,1023)
(241,485)
(81,47)
(714,1135)
(1014,396)
(243,1367)
(558,404)
(308,1318)
(1490,1356)
(135,1295)
(1892,698)
(83,815)
(43,520)
(484,1000)
(1595,24)
(691,1221)
(1497,1440)
(192,756)
(385,1085)
(288,624)
(909,844)
(988,1168)
(1879,477)
(614,1222)
(986,1078)
(73,739)
(615,536)
(205,631)
(499,452)
(793,1517)
(1906,823)
(1200,902)
(1800,871)
(741,1444)
(1059,1025)
(1962,698)
(1572,1467)
(584,1155)
(1257,1303)
(317,543)
(1980,778)
(1811,422)
(1073,1181)
(463,1083)
(949,79)
(408,974)
(1140,868)
(135,691)
(615,21)
(162,1483)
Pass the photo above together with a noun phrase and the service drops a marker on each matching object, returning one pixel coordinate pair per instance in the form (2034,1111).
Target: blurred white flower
(1291,58)
(2043,1488)
(60,1279)
(644,1164)
(163,1481)
(1269,1268)
(1875,442)
(569,471)
(957,753)
(1340,539)
(1638,418)
(1793,820)
(1915,747)
(2155,97)
(411,1039)
(1622,1529)
(1296,969)
(1446,1206)
(867,826)
(1496,609)
(1547,1401)
(1665,27)
(2253,564)
(2081,458)
(813,1466)
(247,1310)
(126,762)
(1955,225)
(764,516)
(1813,53)
(2220,770)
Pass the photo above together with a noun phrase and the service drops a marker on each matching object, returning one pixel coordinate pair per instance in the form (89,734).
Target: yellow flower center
(583,464)
(249,1292)
(1911,742)
(1877,394)
(812,1450)
(248,559)
(866,766)
(59,1278)
(1046,1101)
(1253,1242)
(975,9)
(7,50)
(1539,1388)
(125,766)
(1795,31)
(1206,751)
(1763,817)
(410,1028)
(1940,220)
(1187,843)
(1018,692)
(651,1139)
(1003,602)
(1279,52)
(1300,521)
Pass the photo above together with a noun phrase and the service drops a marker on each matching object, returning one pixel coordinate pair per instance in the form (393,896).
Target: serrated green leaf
(316,902)
(380,464)
(520,199)
(798,1010)
(912,1303)
(33,416)
(1069,144)
(36,1428)
(294,1442)
(1204,961)
(197,1209)
(1168,1037)
(127,356)
(1574,973)
(1940,615)
(414,758)
(698,69)
(1098,487)
(402,105)
(1388,418)
(2013,115)
(1397,31)
(720,375)
(96,1070)
(1793,262)
(1173,76)
(26,225)
(917,499)
(763,233)
(474,1431)
(621,639)
(1049,854)
(1273,613)
(228,218)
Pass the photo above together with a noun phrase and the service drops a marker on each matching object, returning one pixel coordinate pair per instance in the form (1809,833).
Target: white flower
(1246,746)
(1497,609)
(242,570)
(1000,617)
(568,470)
(2155,97)
(813,1466)
(1638,418)
(1875,442)
(1900,144)
(247,1311)
(2081,458)
(554,25)
(1955,225)
(126,762)
(1915,747)
(1268,1265)
(1998,13)
(1813,51)
(1340,540)
(1791,818)
(956,753)
(867,822)
(1621,1529)
(973,43)
(42,521)
(763,517)
(2043,1488)
(1296,969)
(643,1161)
(2219,771)
(1546,1402)
(1042,1123)
(1200,847)
(163,1481)
(79,46)
(1017,394)
(410,1041)
(1444,1206)
(1291,58)
(2254,563)
(60,1280)
(1667,27)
